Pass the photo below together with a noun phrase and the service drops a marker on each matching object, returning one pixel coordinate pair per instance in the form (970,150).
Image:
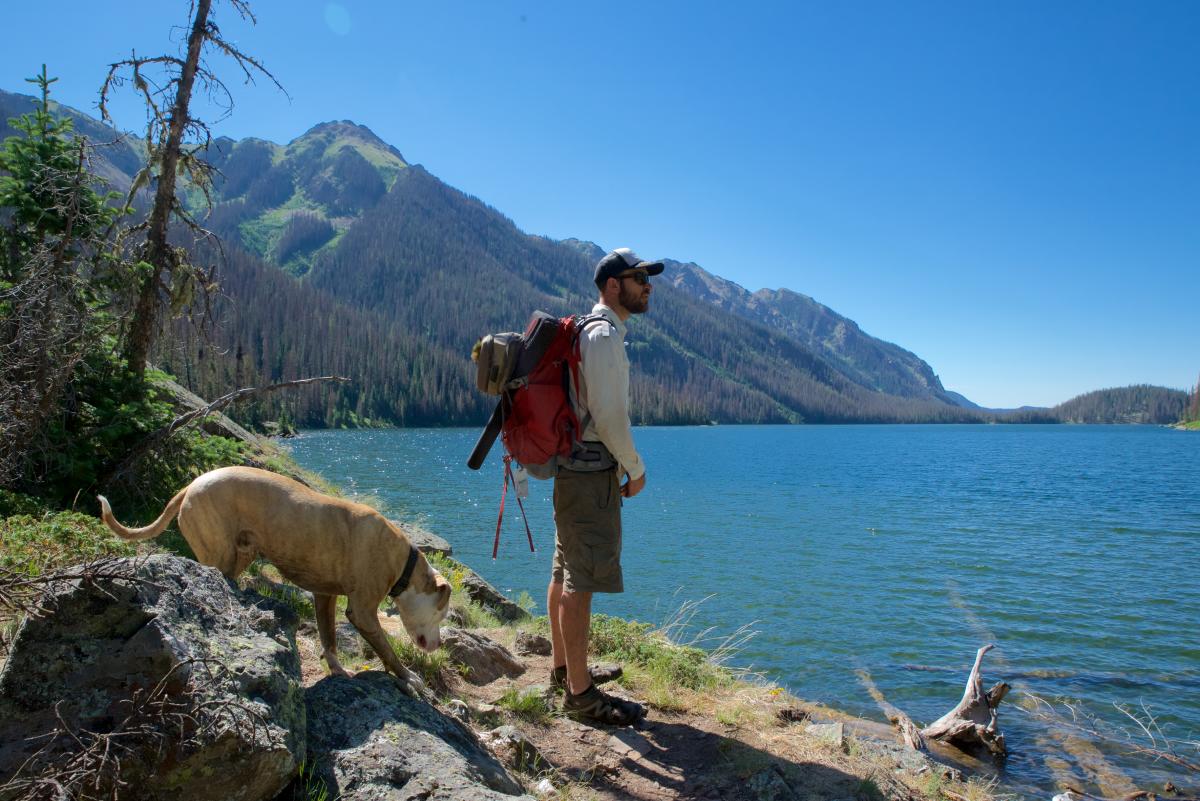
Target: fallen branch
(156,438)
(1152,742)
(908,729)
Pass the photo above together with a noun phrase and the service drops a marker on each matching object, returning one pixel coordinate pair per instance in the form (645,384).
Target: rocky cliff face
(869,362)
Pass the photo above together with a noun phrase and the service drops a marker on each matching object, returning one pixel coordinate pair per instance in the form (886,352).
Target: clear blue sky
(1010,190)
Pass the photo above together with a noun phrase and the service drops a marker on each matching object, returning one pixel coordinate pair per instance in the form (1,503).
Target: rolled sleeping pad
(486,439)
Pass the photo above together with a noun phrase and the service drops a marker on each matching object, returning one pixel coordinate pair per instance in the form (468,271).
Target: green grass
(34,544)
(868,790)
(529,705)
(429,666)
(664,662)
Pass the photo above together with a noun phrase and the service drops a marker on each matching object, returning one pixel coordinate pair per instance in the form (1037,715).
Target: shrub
(32,544)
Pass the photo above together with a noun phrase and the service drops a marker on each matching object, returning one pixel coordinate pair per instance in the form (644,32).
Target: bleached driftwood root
(972,723)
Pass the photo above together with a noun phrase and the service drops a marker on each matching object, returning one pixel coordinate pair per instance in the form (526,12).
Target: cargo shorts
(587,539)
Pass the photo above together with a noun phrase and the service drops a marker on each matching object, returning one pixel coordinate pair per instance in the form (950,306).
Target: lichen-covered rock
(487,596)
(193,686)
(514,749)
(485,660)
(367,740)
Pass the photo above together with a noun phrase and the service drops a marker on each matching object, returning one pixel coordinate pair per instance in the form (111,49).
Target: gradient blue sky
(1011,190)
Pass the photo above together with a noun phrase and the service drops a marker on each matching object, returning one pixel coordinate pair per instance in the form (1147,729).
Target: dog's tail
(146,532)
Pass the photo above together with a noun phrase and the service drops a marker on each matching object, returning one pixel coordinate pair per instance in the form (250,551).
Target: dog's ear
(443,596)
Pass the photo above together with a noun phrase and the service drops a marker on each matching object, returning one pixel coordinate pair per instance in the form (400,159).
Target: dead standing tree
(167,84)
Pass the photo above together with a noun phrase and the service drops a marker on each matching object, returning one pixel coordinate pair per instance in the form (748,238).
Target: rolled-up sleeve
(606,376)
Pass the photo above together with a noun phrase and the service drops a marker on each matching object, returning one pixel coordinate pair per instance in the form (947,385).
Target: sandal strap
(596,705)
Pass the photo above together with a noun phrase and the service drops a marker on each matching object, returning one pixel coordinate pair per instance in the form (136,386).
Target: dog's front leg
(365,617)
(326,609)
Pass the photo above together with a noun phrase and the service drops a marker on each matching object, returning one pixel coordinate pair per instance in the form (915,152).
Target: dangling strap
(508,477)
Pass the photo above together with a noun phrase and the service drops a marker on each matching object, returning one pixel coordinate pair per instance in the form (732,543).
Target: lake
(898,550)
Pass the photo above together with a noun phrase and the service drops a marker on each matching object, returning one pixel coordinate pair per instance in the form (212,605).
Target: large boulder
(157,674)
(368,740)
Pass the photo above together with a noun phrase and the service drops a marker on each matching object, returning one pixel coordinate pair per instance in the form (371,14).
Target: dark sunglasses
(640,278)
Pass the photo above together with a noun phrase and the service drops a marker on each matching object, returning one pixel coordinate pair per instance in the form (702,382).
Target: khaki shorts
(587,540)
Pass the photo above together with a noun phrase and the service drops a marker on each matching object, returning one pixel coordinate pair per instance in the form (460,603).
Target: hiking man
(588,492)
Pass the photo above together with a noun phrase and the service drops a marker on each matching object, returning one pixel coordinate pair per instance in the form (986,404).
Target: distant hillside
(1140,403)
(342,257)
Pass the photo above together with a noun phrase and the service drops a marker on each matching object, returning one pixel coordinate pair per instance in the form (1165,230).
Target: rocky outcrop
(367,740)
(485,660)
(487,596)
(158,674)
(426,541)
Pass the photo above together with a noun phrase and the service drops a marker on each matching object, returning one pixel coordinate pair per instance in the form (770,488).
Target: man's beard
(635,302)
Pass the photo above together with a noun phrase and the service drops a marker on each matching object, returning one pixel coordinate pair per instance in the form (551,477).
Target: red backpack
(535,419)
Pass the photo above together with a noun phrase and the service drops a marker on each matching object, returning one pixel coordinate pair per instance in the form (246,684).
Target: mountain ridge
(417,269)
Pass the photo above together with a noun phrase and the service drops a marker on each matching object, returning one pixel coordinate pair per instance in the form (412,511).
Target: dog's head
(423,606)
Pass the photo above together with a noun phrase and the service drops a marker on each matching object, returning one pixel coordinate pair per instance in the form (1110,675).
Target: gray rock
(368,741)
(214,423)
(834,733)
(485,659)
(426,541)
(528,643)
(143,639)
(516,750)
(768,785)
(491,599)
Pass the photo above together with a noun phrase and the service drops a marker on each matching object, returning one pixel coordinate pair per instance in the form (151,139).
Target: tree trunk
(158,252)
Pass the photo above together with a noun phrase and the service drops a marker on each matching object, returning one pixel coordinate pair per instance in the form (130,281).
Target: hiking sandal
(599,674)
(596,707)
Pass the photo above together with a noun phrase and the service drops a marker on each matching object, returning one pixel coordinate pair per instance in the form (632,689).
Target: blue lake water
(894,549)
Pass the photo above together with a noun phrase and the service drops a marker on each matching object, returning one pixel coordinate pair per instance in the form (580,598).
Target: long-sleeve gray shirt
(603,397)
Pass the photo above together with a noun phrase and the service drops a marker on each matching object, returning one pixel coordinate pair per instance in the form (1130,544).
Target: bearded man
(588,492)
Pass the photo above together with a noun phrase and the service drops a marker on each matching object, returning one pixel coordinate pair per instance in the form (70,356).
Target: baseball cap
(622,260)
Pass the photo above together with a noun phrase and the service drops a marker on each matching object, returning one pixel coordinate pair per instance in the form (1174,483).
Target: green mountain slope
(395,275)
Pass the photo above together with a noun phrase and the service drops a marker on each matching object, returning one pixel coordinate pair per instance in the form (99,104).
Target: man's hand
(633,486)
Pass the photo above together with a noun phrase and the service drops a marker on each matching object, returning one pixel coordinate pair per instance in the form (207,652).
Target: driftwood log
(972,724)
(969,726)
(908,729)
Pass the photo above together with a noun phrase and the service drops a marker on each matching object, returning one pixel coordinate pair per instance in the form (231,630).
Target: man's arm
(607,381)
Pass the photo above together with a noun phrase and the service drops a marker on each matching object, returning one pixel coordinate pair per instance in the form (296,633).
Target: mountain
(391,276)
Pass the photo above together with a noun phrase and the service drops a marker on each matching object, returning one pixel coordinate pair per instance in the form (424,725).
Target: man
(587,492)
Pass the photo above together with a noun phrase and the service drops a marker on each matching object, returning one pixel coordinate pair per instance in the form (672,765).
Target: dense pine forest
(338,257)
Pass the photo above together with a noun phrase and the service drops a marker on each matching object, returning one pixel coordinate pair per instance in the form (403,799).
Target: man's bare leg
(574,621)
(558,653)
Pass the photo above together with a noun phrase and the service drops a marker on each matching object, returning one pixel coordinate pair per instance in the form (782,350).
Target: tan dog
(326,545)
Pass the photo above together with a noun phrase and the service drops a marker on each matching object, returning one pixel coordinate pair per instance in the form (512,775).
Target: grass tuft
(429,666)
(528,705)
